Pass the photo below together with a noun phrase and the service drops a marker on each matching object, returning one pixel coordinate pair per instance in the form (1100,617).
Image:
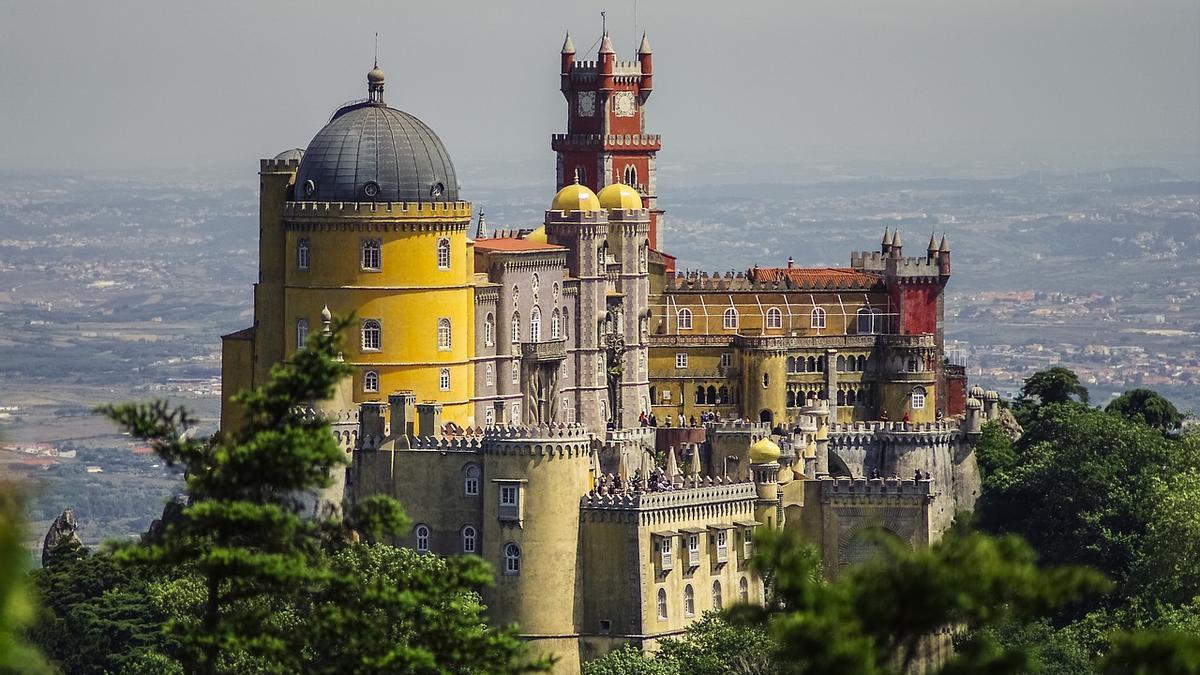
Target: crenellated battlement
(699,280)
(613,141)
(905,267)
(278,165)
(698,493)
(536,432)
(861,434)
(868,489)
(406,210)
(738,426)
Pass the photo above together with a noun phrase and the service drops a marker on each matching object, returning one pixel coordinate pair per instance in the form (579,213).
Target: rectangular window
(444,379)
(681,360)
(372,255)
(509,508)
(726,359)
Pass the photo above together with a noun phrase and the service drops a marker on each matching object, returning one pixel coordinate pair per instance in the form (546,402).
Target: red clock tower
(606,140)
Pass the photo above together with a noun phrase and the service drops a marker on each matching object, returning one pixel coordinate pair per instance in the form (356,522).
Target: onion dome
(764,451)
(575,197)
(974,404)
(991,395)
(976,392)
(620,196)
(369,152)
(538,236)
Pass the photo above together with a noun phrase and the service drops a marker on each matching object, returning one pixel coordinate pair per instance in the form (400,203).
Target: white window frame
(681,360)
(774,318)
(488,377)
(421,534)
(371,255)
(683,319)
(689,601)
(444,379)
(555,325)
(301,333)
(471,475)
(729,318)
(443,254)
(535,324)
(470,541)
(489,330)
(726,359)
(918,398)
(515,328)
(371,382)
(303,253)
(512,559)
(516,372)
(372,327)
(444,334)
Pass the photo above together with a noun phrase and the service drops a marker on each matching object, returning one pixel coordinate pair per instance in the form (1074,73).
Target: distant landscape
(118,288)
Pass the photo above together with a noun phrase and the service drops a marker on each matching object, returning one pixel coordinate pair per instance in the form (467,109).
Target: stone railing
(688,496)
(550,350)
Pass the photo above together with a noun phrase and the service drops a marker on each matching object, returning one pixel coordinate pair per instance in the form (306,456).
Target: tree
(993,451)
(267,588)
(1054,385)
(710,646)
(1153,653)
(1147,407)
(876,617)
(16,605)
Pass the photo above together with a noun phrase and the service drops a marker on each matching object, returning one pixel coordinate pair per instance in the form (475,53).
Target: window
(601,258)
(643,253)
(372,335)
(554,292)
(766,380)
(744,589)
(508,495)
(717,595)
(555,325)
(689,601)
(512,558)
(471,480)
(912,366)
(630,174)
(301,333)
(535,325)
(580,175)
(566,323)
(468,539)
(684,317)
(516,327)
(681,360)
(371,381)
(489,330)
(774,318)
(372,257)
(817,318)
(487,375)
(722,545)
(422,534)
(870,320)
(516,373)
(918,398)
(662,604)
(443,254)
(444,379)
(489,417)
(730,319)
(515,411)
(535,283)
(302,255)
(726,359)
(443,334)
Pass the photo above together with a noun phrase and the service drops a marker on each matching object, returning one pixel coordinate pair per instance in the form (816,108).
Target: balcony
(540,352)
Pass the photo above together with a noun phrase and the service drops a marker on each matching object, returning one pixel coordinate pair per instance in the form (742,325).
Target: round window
(436,190)
(309,188)
(370,189)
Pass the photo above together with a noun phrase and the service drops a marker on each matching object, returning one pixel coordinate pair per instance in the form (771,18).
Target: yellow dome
(620,196)
(764,451)
(538,236)
(575,197)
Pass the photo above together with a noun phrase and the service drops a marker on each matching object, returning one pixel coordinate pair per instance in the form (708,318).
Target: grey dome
(372,153)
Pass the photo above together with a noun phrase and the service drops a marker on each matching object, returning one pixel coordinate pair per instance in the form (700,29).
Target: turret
(897,247)
(944,257)
(885,247)
(606,60)
(764,467)
(646,59)
(974,416)
(932,250)
(568,63)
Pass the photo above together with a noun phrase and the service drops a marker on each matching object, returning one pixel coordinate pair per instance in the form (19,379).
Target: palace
(557,398)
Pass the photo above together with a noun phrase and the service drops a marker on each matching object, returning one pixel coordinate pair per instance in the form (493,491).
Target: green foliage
(1147,407)
(994,451)
(1167,568)
(877,614)
(1050,650)
(16,605)
(247,582)
(710,646)
(1153,653)
(1054,385)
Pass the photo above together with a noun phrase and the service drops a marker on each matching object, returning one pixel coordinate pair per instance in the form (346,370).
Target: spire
(944,247)
(932,244)
(481,228)
(606,45)
(645,48)
(896,238)
(568,46)
(887,237)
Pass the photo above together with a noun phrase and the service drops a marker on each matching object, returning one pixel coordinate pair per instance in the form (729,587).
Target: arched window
(684,317)
(516,294)
(841,364)
(717,595)
(662,604)
(489,330)
(372,335)
(422,534)
(602,258)
(580,175)
(468,539)
(516,372)
(489,417)
(471,480)
(821,364)
(730,319)
(841,397)
(566,323)
(443,254)
(817,318)
(744,589)
(643,253)
(371,381)
(723,395)
(862,364)
(774,318)
(444,379)
(487,375)
(535,325)
(516,327)
(555,292)
(372,255)
(699,395)
(870,321)
(630,174)
(535,284)
(791,364)
(443,334)
(689,601)
(918,398)
(791,399)
(555,325)
(301,333)
(302,255)
(851,397)
(766,380)
(512,558)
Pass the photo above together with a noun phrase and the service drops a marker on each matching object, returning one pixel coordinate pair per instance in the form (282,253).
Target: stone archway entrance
(766,416)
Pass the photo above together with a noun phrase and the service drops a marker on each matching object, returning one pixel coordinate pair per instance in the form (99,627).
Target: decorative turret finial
(645,47)
(568,46)
(481,228)
(326,319)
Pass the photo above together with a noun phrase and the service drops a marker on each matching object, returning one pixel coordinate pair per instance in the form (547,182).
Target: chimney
(401,404)
(429,414)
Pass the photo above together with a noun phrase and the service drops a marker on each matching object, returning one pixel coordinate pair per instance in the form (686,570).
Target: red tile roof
(816,277)
(507,244)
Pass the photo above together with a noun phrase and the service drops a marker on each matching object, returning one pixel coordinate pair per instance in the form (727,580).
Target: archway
(766,416)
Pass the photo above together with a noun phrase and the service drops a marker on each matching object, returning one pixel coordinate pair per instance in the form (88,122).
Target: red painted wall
(917,305)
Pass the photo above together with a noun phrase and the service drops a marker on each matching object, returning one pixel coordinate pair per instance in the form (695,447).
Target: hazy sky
(102,85)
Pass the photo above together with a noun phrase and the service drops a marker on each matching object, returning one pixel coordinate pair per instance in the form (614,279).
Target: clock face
(586,103)
(624,105)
